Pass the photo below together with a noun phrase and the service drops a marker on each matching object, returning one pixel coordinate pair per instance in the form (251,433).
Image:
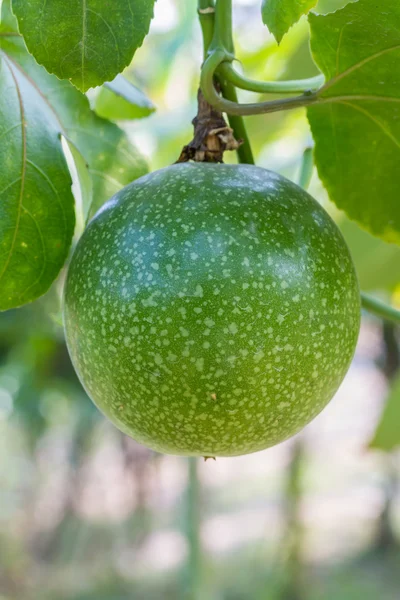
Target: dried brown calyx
(212,136)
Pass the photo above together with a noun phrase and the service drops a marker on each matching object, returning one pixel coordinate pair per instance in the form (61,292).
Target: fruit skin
(211,310)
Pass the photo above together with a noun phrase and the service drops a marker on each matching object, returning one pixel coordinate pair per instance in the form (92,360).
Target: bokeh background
(88,514)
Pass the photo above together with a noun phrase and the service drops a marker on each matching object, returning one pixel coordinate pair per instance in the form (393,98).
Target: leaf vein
(44,261)
(50,183)
(110,30)
(23,174)
(9,130)
(374,120)
(358,65)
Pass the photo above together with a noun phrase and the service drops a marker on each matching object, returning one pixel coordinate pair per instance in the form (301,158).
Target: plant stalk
(306,170)
(223,38)
(208,16)
(233,108)
(270,87)
(379,308)
(206,11)
(194,580)
(244,152)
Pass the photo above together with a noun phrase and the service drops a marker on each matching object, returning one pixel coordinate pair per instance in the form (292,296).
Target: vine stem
(221,54)
(270,87)
(244,152)
(194,576)
(306,170)
(215,59)
(207,17)
(223,37)
(379,308)
(206,11)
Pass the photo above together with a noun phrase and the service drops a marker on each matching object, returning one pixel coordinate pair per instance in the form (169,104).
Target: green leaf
(120,99)
(356,124)
(377,263)
(387,435)
(280,15)
(37,217)
(86,41)
(8,22)
(100,149)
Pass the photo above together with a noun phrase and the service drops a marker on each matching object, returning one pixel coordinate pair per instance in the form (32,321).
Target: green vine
(379,308)
(206,11)
(244,152)
(270,87)
(223,31)
(210,67)
(219,58)
(307,166)
(208,17)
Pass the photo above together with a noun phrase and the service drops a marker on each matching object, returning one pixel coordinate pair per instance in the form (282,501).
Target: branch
(270,87)
(379,308)
(233,108)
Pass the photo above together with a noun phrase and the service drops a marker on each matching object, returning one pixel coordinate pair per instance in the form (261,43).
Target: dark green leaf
(387,435)
(120,99)
(37,215)
(86,41)
(280,15)
(356,125)
(96,144)
(377,263)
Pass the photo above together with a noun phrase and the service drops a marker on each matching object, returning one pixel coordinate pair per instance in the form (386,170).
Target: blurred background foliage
(88,514)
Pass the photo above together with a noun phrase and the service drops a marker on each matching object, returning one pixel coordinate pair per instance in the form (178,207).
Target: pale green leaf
(356,123)
(280,15)
(120,99)
(387,435)
(377,263)
(86,41)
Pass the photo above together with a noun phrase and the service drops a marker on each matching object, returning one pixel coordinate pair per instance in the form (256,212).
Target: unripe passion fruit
(211,310)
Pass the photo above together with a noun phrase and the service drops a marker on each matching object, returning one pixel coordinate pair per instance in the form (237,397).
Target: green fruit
(211,310)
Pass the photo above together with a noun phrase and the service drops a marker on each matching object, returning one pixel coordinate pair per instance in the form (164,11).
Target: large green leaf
(120,99)
(85,41)
(280,15)
(356,124)
(37,217)
(99,147)
(387,435)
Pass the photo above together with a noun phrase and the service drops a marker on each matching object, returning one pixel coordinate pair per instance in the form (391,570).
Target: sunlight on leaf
(356,125)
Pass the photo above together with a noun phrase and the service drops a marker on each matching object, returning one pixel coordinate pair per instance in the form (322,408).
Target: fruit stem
(306,170)
(379,308)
